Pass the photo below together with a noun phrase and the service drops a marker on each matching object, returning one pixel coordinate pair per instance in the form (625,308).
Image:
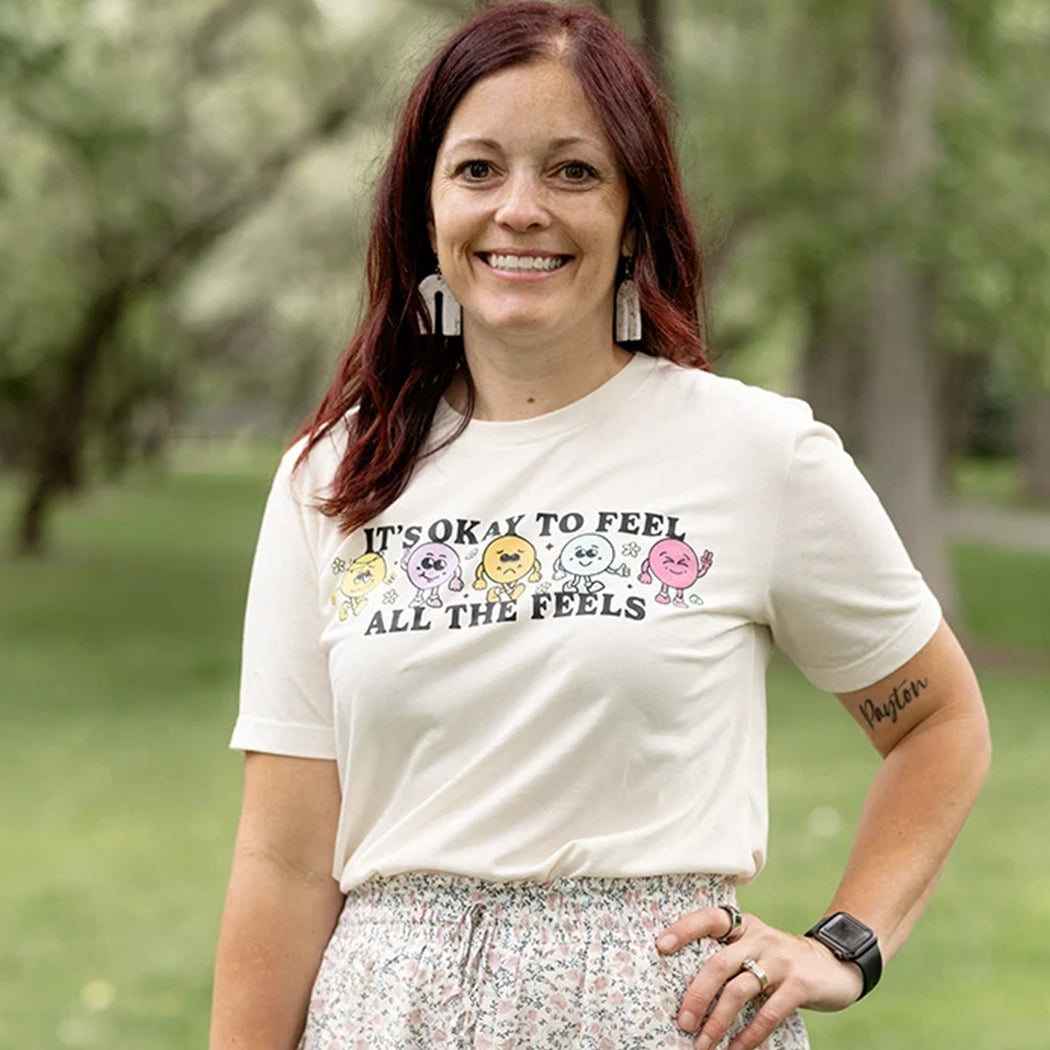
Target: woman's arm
(281,906)
(927,720)
(929,724)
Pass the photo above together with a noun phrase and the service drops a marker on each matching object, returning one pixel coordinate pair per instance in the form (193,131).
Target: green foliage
(780,108)
(175,233)
(994,199)
(776,97)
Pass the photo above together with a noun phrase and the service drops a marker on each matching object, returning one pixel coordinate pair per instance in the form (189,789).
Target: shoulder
(729,397)
(306,471)
(731,413)
(301,483)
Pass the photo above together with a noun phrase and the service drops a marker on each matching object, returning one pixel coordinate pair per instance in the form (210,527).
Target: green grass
(118,667)
(988,479)
(1005,596)
(117,693)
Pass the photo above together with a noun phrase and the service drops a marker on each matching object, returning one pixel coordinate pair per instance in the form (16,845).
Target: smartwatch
(851,941)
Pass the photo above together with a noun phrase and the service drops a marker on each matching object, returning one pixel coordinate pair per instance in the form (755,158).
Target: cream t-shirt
(547,657)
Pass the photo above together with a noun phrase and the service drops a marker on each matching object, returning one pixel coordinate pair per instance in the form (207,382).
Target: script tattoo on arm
(901,695)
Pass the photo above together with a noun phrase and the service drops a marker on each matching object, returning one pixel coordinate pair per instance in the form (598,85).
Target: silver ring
(752,967)
(735,919)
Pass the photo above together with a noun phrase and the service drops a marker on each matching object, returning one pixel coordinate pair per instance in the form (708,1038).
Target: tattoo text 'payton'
(903,693)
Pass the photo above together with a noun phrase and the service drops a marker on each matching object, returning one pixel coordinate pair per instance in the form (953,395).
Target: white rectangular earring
(628,308)
(446,317)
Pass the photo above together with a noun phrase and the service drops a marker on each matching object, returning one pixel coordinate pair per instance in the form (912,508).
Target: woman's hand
(800,971)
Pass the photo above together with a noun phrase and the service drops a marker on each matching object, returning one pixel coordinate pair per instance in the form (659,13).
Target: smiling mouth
(524,263)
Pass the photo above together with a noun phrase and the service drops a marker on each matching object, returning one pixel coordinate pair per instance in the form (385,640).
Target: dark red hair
(392,374)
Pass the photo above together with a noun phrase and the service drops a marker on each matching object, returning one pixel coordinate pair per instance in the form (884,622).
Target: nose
(523,205)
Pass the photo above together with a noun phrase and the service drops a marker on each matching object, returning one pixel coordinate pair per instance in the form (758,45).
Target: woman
(511,609)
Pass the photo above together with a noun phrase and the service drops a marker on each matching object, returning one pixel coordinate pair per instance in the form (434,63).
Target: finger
(769,1014)
(735,996)
(705,989)
(706,922)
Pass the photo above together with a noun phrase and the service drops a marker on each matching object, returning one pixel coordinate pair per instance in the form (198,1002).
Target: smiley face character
(506,562)
(675,564)
(429,567)
(582,559)
(363,574)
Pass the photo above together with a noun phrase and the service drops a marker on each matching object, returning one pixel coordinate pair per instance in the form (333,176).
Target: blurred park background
(184,196)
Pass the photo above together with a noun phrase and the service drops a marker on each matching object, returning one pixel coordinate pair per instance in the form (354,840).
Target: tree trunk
(961,376)
(56,463)
(833,367)
(654,39)
(901,395)
(29,539)
(1035,447)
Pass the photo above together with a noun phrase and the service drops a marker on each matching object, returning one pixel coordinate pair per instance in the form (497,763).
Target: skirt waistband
(430,897)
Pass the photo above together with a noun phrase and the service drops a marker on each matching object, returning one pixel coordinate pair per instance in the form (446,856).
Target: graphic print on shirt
(584,558)
(506,562)
(605,563)
(365,573)
(429,567)
(675,564)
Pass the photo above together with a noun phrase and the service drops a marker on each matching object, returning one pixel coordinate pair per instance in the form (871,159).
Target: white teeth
(525,262)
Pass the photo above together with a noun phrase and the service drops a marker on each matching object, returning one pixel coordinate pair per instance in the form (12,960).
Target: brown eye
(476,170)
(577,172)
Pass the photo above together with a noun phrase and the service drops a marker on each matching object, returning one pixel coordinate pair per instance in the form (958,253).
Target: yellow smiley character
(363,574)
(506,562)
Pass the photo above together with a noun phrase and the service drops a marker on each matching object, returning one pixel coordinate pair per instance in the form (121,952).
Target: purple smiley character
(429,567)
(675,564)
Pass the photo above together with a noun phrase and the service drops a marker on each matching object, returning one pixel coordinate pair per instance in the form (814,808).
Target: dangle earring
(446,317)
(628,307)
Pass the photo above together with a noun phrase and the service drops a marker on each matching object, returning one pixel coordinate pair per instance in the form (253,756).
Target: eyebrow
(472,140)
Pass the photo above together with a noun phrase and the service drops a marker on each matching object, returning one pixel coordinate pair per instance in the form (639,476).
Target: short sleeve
(845,602)
(285,698)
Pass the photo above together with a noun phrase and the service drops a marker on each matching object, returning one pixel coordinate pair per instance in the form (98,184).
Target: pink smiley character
(429,567)
(675,564)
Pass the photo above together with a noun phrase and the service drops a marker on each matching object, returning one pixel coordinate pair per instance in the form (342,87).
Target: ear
(628,242)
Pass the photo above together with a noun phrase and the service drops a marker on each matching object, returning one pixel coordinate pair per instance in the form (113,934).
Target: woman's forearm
(912,814)
(275,926)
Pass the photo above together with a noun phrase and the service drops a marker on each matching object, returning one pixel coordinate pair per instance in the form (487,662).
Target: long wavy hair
(391,376)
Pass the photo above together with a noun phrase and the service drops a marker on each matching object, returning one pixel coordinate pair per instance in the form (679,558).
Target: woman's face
(528,205)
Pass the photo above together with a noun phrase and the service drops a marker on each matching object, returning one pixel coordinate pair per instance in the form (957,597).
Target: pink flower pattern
(443,962)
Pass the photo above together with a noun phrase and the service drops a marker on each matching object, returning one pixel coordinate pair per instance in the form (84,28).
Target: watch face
(849,934)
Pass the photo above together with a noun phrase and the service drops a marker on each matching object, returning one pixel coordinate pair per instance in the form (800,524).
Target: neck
(513,383)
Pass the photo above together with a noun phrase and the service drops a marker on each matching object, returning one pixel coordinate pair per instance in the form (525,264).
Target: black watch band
(851,941)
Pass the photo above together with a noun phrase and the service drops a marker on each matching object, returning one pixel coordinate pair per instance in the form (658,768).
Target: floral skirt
(439,961)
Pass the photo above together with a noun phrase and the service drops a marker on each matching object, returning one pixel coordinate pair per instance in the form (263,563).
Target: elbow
(982,752)
(972,741)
